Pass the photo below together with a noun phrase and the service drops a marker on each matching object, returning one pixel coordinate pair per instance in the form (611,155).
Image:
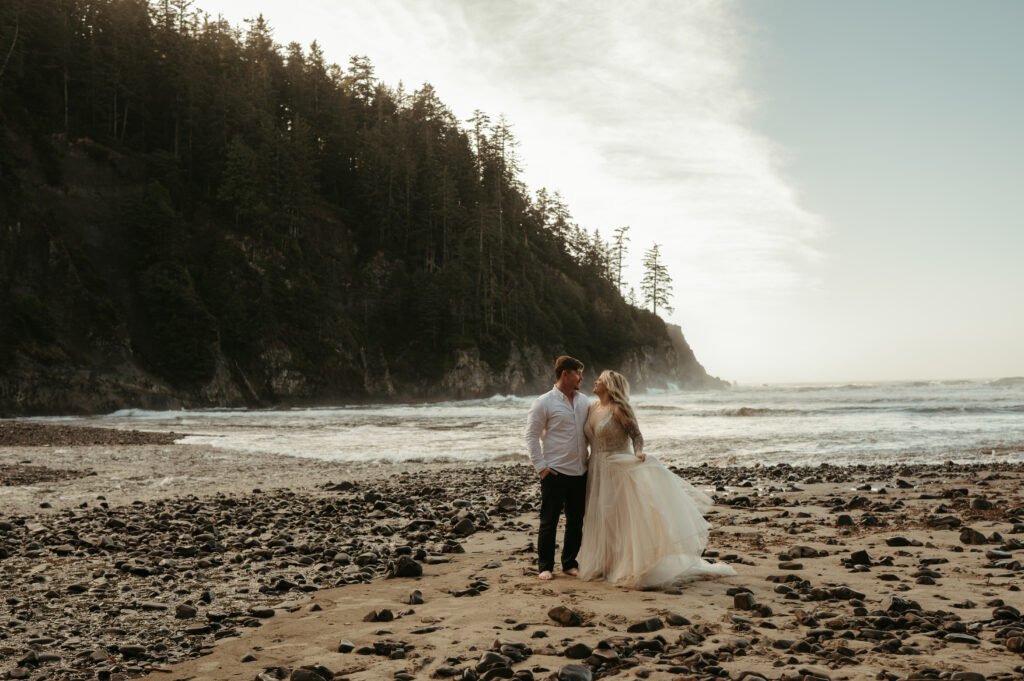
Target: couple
(644,526)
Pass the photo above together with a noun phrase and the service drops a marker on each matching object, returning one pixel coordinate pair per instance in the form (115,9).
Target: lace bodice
(606,436)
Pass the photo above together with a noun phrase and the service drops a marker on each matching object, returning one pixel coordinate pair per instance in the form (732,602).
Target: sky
(837,187)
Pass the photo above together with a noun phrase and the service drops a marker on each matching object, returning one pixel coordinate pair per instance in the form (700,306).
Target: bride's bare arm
(633,431)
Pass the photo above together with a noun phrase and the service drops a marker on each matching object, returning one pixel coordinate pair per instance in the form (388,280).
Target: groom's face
(573,378)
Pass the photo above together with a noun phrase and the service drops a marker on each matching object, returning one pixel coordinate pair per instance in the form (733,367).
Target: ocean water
(919,422)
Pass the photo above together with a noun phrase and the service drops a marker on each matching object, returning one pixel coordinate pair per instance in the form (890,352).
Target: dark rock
(565,616)
(967,676)
(132,651)
(603,656)
(860,558)
(506,504)
(282,585)
(425,630)
(346,646)
(574,672)
(1006,612)
(464,528)
(962,638)
(183,611)
(744,601)
(947,522)
(382,615)
(648,625)
(407,567)
(899,605)
(490,660)
(971,536)
(846,593)
(415,597)
(261,612)
(578,651)
(311,674)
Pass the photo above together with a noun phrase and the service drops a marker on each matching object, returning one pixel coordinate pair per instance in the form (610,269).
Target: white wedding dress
(643,525)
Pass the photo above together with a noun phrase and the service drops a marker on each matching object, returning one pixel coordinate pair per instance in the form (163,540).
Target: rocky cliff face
(669,365)
(34,388)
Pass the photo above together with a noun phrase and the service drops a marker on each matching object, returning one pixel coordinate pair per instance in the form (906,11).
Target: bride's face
(599,387)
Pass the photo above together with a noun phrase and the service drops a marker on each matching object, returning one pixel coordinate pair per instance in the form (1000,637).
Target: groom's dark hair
(566,363)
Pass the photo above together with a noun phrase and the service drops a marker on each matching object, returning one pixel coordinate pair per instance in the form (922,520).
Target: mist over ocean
(918,422)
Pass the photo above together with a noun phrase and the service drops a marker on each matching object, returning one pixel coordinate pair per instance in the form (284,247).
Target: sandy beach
(128,558)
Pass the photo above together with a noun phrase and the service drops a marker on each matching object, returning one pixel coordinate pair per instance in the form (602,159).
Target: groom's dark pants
(558,492)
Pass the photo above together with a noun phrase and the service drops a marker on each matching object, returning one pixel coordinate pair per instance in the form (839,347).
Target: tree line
(266,198)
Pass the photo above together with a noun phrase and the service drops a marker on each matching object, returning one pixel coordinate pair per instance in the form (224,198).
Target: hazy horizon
(834,185)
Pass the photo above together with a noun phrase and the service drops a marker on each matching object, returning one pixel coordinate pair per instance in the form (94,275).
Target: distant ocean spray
(912,422)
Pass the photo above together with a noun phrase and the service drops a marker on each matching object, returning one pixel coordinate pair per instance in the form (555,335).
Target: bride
(643,524)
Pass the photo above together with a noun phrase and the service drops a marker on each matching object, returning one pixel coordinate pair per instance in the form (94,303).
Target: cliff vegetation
(194,215)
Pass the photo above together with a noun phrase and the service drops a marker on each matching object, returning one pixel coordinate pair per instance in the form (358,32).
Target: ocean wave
(144,414)
(1009,380)
(509,399)
(468,425)
(968,409)
(758,411)
(832,411)
(172,414)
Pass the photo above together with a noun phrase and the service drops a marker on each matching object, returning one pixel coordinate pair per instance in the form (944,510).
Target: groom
(558,450)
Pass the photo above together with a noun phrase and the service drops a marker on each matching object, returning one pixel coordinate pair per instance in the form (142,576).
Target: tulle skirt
(644,526)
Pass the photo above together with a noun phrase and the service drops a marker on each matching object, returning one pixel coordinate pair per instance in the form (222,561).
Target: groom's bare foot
(572,572)
(545,576)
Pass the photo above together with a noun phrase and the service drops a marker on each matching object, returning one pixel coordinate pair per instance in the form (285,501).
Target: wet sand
(203,564)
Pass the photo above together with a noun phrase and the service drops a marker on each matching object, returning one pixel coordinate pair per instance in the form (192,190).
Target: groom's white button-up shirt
(554,432)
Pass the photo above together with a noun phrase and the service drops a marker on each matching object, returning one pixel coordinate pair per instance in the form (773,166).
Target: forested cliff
(193,215)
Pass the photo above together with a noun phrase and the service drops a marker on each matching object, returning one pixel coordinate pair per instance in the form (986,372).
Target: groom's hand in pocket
(546,472)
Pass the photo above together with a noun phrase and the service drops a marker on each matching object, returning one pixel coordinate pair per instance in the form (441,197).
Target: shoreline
(198,559)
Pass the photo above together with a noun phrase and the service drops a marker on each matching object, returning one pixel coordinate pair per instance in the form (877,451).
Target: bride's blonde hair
(618,391)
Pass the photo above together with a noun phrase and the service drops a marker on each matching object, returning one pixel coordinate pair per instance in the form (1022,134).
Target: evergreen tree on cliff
(656,284)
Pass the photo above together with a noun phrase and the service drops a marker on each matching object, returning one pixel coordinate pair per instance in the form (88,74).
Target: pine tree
(619,252)
(656,286)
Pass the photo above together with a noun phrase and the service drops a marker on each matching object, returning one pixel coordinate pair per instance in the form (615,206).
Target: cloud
(638,113)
